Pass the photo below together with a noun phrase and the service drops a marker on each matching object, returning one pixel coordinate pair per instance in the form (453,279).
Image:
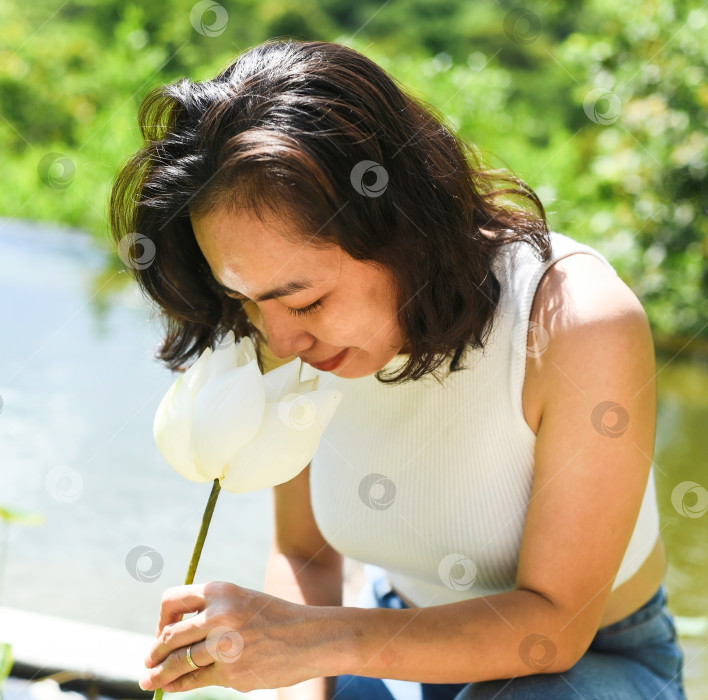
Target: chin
(356,370)
(351,372)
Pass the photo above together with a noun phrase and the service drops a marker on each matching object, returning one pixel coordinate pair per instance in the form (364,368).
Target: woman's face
(336,307)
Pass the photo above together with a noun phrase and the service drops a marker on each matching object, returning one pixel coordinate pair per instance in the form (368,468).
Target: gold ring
(190,661)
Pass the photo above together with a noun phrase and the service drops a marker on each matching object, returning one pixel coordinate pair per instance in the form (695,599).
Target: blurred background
(599,106)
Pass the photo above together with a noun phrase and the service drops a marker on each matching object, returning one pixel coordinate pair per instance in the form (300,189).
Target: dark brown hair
(298,129)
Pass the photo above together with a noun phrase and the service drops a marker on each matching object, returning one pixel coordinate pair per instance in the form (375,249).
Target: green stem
(198,546)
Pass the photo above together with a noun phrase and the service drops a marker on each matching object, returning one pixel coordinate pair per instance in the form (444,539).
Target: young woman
(491,458)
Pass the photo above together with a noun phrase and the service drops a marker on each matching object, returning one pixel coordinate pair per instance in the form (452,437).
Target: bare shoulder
(585,309)
(581,288)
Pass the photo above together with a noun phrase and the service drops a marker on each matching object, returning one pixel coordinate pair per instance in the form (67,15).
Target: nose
(284,333)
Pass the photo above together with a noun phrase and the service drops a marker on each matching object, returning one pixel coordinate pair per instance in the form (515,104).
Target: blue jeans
(636,657)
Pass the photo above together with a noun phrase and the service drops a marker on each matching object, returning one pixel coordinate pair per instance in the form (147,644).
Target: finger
(223,645)
(176,635)
(208,675)
(178,601)
(175,666)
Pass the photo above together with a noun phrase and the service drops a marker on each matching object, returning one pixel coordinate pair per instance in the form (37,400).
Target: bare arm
(302,568)
(587,491)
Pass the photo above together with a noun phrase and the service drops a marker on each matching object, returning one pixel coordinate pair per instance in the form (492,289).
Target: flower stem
(198,546)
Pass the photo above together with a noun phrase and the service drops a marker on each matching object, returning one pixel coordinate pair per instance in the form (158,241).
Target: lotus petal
(282,380)
(224,357)
(172,430)
(309,378)
(196,376)
(308,372)
(326,402)
(309,385)
(279,452)
(227,414)
(245,351)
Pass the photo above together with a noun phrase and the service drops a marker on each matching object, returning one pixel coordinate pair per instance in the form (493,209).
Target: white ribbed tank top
(431,482)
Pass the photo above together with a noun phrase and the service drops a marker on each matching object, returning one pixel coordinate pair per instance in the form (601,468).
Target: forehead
(248,254)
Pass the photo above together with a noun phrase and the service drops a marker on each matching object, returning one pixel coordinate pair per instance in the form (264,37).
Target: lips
(332,363)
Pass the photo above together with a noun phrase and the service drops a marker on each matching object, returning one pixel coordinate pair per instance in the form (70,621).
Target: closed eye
(307,309)
(295,312)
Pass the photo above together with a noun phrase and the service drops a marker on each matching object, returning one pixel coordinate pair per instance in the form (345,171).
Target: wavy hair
(299,129)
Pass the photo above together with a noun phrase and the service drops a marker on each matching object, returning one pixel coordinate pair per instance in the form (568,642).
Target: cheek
(345,320)
(383,297)
(372,323)
(340,328)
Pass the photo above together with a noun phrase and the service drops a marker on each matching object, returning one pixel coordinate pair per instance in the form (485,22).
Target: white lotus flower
(225,420)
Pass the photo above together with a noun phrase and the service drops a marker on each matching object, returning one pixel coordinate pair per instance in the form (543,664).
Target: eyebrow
(282,290)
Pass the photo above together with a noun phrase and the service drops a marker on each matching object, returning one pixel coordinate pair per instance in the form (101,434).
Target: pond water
(79,389)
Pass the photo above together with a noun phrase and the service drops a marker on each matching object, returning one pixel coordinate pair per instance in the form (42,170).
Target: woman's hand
(240,638)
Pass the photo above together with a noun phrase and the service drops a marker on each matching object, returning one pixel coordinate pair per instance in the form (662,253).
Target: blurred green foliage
(600,106)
